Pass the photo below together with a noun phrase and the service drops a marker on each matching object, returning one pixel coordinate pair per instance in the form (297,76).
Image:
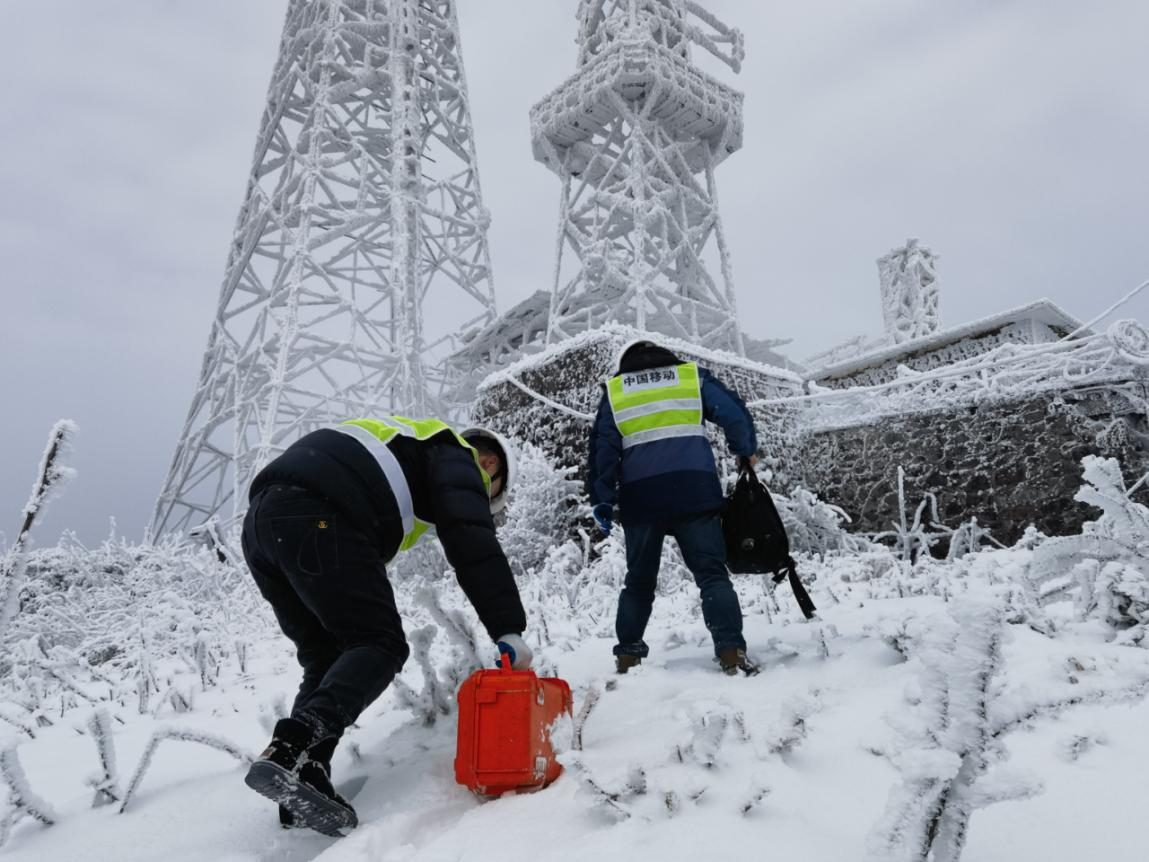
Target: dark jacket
(691,487)
(447,490)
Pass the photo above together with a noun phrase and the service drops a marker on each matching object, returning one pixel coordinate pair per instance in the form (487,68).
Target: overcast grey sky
(1011,136)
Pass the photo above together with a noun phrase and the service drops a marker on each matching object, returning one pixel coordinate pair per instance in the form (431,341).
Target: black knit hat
(643,355)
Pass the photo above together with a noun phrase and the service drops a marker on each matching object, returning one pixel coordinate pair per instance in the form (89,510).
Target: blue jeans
(704,550)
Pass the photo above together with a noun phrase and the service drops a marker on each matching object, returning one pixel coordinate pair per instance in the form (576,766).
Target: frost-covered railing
(1012,371)
(667,23)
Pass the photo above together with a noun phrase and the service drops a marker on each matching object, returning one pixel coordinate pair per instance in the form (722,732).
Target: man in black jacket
(324,519)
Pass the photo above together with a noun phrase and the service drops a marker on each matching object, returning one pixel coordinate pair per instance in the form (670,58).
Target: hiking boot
(316,771)
(623,663)
(733,660)
(288,776)
(289,743)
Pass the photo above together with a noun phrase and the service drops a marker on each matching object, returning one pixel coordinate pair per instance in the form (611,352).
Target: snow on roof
(622,334)
(761,350)
(845,350)
(1041,311)
(529,315)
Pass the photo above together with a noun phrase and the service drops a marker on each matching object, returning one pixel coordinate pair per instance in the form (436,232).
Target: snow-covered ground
(805,761)
(987,707)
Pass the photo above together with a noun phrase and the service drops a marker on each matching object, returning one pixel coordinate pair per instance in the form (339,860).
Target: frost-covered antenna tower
(910,292)
(363,206)
(635,137)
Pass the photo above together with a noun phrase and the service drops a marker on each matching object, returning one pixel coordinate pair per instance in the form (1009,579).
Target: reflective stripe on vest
(375,435)
(657,404)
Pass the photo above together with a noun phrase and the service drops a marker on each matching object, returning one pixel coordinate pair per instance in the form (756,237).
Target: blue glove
(516,649)
(604,517)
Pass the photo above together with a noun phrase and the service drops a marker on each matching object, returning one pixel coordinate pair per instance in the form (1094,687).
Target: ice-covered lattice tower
(362,208)
(910,292)
(635,137)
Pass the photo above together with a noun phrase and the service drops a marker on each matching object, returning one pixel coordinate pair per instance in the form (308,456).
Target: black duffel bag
(756,541)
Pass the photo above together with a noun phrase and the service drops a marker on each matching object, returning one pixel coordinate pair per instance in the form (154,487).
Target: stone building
(1039,322)
(986,420)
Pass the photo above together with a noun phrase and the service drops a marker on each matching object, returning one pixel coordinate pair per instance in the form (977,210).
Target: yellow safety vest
(376,434)
(657,404)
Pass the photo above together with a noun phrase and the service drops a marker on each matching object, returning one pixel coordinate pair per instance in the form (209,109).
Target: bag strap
(805,603)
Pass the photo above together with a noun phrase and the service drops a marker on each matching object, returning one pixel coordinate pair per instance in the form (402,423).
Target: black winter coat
(447,490)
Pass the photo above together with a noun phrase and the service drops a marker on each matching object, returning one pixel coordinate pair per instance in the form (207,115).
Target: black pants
(328,586)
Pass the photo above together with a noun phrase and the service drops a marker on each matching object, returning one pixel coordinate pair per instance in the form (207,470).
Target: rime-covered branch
(436,697)
(791,728)
(183,735)
(22,802)
(106,783)
(52,475)
(944,749)
(612,803)
(19,725)
(459,631)
(1052,708)
(588,705)
(709,732)
(979,655)
(754,801)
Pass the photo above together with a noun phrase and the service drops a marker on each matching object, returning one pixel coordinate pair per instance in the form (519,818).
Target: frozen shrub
(814,526)
(541,509)
(99,621)
(1103,570)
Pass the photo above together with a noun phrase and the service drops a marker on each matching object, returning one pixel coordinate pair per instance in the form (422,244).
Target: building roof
(518,325)
(620,333)
(1041,311)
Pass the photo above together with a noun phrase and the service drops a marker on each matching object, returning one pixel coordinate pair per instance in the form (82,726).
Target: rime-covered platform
(689,104)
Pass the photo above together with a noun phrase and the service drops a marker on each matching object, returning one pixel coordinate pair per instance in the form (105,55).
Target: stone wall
(1009,464)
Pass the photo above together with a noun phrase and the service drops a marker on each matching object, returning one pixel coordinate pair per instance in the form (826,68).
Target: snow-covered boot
(623,663)
(316,767)
(733,660)
(285,774)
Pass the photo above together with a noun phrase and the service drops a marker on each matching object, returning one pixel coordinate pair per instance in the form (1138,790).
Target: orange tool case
(505,719)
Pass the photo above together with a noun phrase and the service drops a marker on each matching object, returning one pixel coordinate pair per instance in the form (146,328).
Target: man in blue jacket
(650,457)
